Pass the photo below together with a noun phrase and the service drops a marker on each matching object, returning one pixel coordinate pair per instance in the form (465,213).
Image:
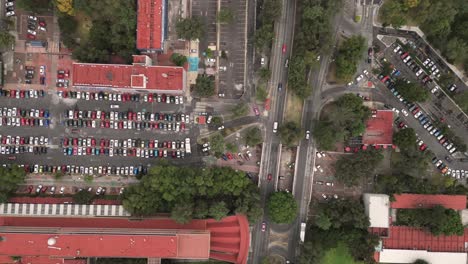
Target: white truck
(303,230)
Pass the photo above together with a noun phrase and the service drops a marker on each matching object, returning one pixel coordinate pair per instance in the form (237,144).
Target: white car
(262,61)
(42,28)
(221,128)
(397,49)
(418,114)
(404,112)
(419,72)
(7,4)
(33,18)
(32,32)
(9,14)
(359,78)
(396,110)
(307,136)
(435,89)
(366,72)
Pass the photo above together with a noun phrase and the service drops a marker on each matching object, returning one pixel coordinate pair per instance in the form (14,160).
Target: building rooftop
(377,207)
(379,129)
(404,237)
(150,24)
(408,201)
(409,256)
(128,76)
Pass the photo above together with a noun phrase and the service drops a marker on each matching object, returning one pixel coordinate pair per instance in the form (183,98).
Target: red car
(257,113)
(31,36)
(229,155)
(30,188)
(423,147)
(284,48)
(42,23)
(263,227)
(269,177)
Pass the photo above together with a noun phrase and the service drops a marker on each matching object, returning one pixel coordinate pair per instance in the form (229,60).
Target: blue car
(46,113)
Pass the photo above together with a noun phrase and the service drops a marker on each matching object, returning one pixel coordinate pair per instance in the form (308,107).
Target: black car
(10,8)
(31,26)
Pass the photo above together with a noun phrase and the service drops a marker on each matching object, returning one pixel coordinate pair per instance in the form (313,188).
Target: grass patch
(84,26)
(294,106)
(339,255)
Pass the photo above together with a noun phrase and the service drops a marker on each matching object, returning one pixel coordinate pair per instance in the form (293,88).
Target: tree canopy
(218,191)
(412,92)
(253,136)
(342,119)
(438,220)
(351,169)
(204,86)
(405,138)
(6,39)
(349,54)
(10,178)
(190,28)
(290,133)
(340,221)
(239,110)
(83,197)
(178,59)
(282,207)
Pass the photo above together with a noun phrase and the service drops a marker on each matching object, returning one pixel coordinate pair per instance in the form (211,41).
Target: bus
(187,146)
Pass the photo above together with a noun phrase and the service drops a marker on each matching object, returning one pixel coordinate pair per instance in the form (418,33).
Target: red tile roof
(379,129)
(150,24)
(403,237)
(228,239)
(456,202)
(121,76)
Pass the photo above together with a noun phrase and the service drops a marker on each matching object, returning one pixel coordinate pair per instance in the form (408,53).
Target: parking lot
(140,152)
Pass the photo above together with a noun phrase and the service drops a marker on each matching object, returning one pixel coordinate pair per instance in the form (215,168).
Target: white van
(275,127)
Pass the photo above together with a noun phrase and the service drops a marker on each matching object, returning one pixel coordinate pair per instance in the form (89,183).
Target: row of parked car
(23,121)
(123,97)
(9,8)
(77,169)
(17,140)
(122,143)
(124,152)
(136,125)
(19,112)
(36,150)
(126,115)
(22,93)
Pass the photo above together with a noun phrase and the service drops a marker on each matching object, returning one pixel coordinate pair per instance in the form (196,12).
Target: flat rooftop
(412,201)
(128,76)
(150,24)
(379,129)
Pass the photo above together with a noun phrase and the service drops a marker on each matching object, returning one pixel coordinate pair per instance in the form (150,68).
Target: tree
(190,28)
(83,197)
(253,136)
(271,10)
(178,59)
(232,147)
(6,39)
(201,210)
(420,261)
(350,52)
(264,73)
(326,135)
(297,77)
(412,92)
(204,86)
(33,5)
(217,120)
(350,169)
(393,13)
(182,213)
(322,221)
(263,36)
(405,138)
(217,144)
(10,178)
(456,50)
(65,6)
(209,53)
(218,210)
(290,133)
(462,100)
(239,110)
(225,16)
(282,207)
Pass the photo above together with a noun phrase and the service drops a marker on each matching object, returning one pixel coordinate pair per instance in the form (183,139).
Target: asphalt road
(271,152)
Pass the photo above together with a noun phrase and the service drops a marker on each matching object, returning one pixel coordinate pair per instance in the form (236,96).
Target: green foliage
(263,36)
(462,100)
(37,6)
(112,34)
(68,26)
(392,13)
(253,136)
(282,207)
(59,175)
(217,144)
(386,68)
(231,147)
(204,86)
(405,138)
(6,39)
(349,54)
(218,191)
(225,16)
(239,110)
(264,73)
(438,220)
(88,178)
(412,92)
(178,59)
(339,223)
(420,261)
(297,81)
(217,120)
(344,118)
(182,213)
(190,28)
(83,197)
(261,94)
(290,133)
(271,11)
(10,178)
(209,53)
(351,169)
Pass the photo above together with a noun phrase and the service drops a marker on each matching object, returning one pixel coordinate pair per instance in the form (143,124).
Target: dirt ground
(293,108)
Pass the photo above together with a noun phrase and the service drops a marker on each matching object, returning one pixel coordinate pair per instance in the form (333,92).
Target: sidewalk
(79,180)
